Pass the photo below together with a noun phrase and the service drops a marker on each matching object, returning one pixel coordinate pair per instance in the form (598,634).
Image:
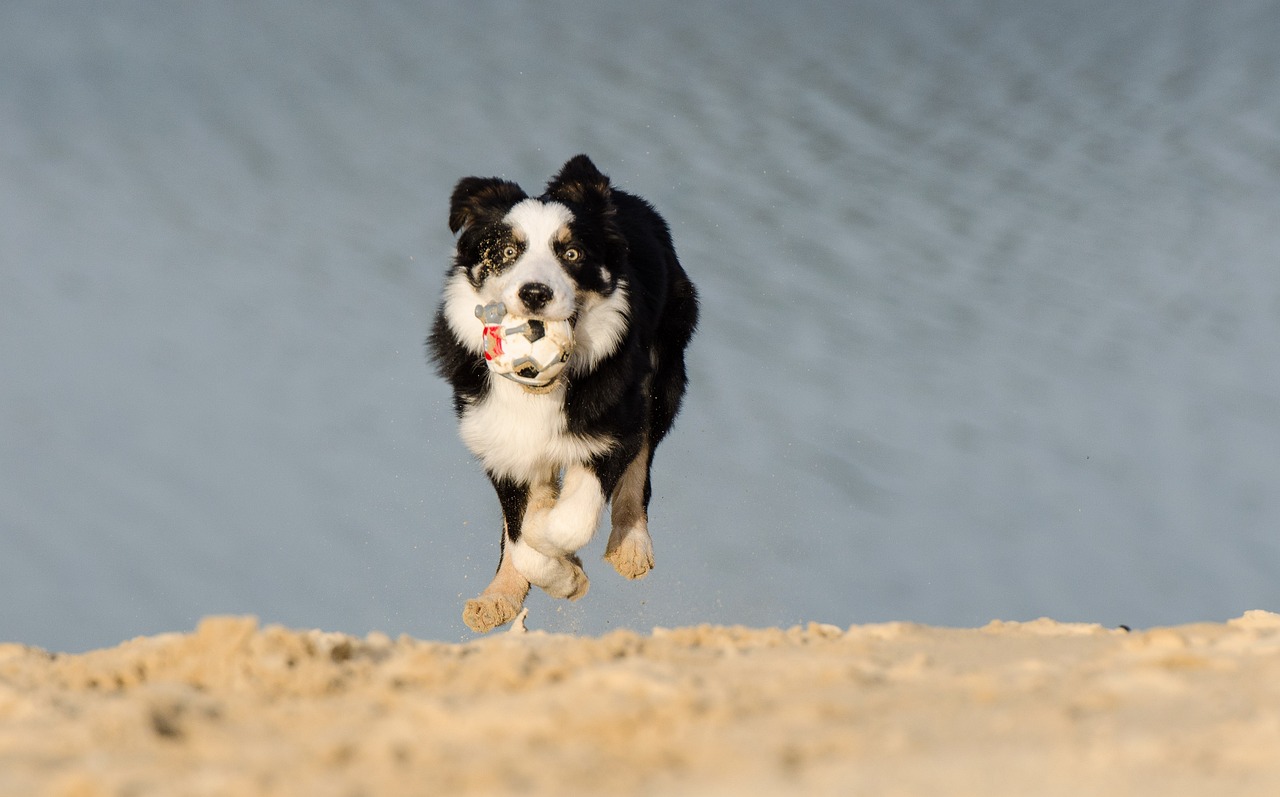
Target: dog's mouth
(572,318)
(493,312)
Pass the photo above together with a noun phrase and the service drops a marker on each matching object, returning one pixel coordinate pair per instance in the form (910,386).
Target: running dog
(602,259)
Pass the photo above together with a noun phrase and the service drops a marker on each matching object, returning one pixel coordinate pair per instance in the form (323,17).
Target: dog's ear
(581,183)
(475,196)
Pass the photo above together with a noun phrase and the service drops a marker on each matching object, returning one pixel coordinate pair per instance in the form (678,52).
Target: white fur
(601,328)
(520,435)
(559,577)
(539,225)
(571,522)
(538,220)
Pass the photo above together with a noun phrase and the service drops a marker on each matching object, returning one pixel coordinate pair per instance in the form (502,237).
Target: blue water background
(991,306)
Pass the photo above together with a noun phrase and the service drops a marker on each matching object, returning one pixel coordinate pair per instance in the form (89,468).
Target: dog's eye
(572,255)
(509,252)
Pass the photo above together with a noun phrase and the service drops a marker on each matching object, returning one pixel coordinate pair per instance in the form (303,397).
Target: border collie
(602,259)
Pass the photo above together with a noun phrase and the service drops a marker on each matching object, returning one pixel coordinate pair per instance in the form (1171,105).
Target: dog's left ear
(476,196)
(581,183)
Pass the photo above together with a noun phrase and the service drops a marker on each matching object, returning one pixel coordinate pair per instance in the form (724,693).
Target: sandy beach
(1010,708)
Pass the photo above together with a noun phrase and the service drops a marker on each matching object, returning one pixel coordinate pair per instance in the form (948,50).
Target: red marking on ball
(492,341)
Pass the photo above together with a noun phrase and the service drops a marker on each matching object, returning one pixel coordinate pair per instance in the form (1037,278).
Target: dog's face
(554,257)
(528,257)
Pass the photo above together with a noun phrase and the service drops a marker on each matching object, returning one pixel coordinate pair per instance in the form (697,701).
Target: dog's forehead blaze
(533,221)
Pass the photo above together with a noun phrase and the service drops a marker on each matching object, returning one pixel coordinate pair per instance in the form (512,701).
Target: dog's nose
(535,295)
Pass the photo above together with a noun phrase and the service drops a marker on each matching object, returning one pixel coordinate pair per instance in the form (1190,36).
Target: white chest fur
(520,435)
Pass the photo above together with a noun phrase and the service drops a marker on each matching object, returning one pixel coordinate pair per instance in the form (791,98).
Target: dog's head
(549,257)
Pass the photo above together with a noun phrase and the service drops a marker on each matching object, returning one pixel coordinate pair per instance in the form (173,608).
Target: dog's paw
(571,582)
(632,555)
(487,612)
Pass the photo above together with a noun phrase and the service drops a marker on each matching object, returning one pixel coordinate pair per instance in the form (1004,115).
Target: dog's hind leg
(630,548)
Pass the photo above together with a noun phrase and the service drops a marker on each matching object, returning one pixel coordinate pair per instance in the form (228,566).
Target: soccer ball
(530,351)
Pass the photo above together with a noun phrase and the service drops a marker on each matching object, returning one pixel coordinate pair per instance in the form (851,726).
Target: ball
(530,351)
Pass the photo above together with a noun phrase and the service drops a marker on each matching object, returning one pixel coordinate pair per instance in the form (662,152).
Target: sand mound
(1012,708)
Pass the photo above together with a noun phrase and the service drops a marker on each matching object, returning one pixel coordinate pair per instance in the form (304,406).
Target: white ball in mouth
(530,351)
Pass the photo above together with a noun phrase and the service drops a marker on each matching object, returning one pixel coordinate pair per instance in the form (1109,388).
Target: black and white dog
(601,258)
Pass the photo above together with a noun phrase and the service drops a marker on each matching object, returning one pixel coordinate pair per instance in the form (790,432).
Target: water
(991,322)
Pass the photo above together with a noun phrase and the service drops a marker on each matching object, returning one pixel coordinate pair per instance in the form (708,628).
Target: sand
(1039,708)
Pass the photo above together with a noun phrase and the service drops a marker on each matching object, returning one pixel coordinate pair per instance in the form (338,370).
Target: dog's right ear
(475,196)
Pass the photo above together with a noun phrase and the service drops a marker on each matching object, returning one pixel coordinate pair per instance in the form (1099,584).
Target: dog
(601,258)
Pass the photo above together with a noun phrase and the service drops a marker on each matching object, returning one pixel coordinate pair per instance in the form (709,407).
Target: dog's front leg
(501,600)
(558,576)
(553,535)
(569,524)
